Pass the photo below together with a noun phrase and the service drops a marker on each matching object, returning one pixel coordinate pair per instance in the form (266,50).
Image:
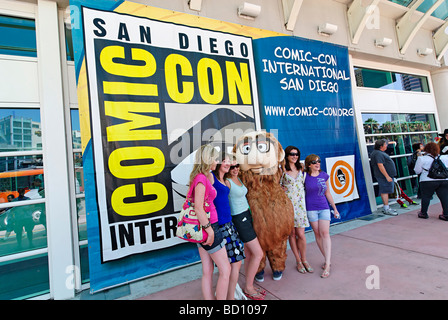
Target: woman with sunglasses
(233,243)
(317,197)
(242,219)
(292,181)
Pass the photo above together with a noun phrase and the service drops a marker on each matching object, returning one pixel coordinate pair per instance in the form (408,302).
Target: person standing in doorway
(384,171)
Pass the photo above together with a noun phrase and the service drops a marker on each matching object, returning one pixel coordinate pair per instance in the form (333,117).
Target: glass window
(401,131)
(80,199)
(69,42)
(402,2)
(441,11)
(21,172)
(76,130)
(379,79)
(17,36)
(84,257)
(18,126)
(23,223)
(82,224)
(378,123)
(23,227)
(24,278)
(79,172)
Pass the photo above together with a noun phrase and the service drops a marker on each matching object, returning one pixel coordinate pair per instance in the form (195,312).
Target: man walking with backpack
(433,178)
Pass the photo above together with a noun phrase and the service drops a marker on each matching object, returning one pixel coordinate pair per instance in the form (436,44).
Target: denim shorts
(218,243)
(315,215)
(385,186)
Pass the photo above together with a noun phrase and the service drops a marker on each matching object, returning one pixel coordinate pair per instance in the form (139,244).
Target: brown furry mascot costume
(259,155)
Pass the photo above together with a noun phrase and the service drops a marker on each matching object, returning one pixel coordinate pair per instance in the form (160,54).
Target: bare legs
(229,273)
(221,260)
(297,241)
(254,254)
(321,230)
(234,274)
(385,198)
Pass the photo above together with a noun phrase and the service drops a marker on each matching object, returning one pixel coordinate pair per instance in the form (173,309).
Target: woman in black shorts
(242,219)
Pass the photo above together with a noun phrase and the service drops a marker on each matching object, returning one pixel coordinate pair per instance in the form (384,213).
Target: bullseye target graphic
(342,178)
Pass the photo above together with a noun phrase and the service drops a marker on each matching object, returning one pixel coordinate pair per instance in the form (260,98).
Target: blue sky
(34,114)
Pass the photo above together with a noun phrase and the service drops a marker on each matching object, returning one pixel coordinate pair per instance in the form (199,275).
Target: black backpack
(411,162)
(437,169)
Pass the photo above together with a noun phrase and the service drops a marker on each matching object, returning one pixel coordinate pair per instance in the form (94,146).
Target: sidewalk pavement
(373,257)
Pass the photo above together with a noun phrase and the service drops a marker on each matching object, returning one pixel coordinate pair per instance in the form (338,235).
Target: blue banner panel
(306,99)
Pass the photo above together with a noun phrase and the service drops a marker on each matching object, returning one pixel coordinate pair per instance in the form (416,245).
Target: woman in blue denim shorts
(317,197)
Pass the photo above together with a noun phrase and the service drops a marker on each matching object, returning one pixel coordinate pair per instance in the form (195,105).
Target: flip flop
(255,296)
(261,291)
(325,273)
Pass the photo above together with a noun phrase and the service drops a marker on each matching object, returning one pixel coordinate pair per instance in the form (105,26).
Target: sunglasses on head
(235,166)
(315,161)
(294,154)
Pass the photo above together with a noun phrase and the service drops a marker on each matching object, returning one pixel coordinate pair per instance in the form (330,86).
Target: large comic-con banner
(151,92)
(305,94)
(153,85)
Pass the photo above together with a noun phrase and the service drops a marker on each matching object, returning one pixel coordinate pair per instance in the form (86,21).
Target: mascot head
(258,152)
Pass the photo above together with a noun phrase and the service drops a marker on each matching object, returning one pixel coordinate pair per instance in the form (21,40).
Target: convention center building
(396,71)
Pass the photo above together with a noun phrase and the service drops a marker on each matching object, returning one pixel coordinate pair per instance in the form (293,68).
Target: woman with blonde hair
(212,250)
